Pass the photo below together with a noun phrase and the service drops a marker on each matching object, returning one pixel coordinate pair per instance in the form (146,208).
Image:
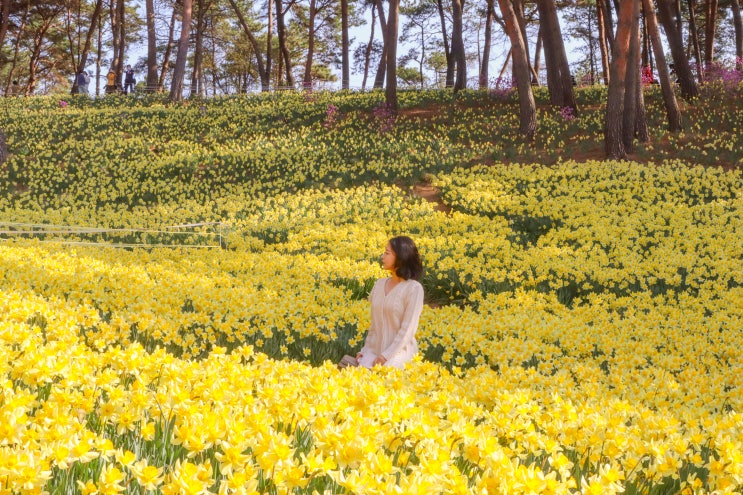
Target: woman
(110,82)
(129,80)
(82,82)
(396,304)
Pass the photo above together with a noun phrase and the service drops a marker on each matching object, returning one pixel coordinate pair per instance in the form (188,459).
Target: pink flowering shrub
(729,76)
(502,88)
(567,113)
(384,117)
(331,116)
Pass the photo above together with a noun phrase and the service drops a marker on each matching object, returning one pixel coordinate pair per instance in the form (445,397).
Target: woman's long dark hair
(407,260)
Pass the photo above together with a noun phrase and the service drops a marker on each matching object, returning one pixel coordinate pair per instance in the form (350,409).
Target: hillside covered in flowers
(177,282)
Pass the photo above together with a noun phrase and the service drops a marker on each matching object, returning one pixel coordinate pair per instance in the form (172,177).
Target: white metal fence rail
(202,235)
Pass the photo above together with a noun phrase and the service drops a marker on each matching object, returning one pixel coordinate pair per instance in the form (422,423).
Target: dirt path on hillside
(431,194)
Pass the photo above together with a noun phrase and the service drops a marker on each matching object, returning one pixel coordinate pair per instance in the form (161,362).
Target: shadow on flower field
(582,326)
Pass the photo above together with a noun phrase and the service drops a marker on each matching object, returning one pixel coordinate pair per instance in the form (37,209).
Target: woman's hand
(379,361)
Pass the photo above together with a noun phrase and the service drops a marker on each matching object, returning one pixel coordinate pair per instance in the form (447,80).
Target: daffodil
(149,477)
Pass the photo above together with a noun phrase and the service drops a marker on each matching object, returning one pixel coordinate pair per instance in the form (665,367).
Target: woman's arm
(409,324)
(371,334)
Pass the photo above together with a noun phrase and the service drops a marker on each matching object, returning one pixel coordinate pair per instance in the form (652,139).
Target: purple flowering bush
(567,113)
(726,76)
(332,115)
(384,117)
(501,88)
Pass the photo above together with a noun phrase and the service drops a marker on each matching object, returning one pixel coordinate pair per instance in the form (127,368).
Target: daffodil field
(177,282)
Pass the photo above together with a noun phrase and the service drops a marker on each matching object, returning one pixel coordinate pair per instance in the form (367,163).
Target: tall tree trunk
(151,47)
(345,62)
(537,61)
(709,32)
(591,50)
(613,132)
(262,73)
(485,65)
(98,58)
(4,15)
(35,56)
(449,79)
(423,57)
(695,38)
(368,51)
(605,8)
(738,35)
(197,87)
(122,42)
(632,81)
(213,78)
(115,39)
(73,37)
(281,32)
(382,67)
(179,72)
(603,47)
(559,79)
(527,107)
(669,98)
(307,80)
(641,120)
(686,82)
(390,93)
(11,85)
(168,52)
(518,9)
(646,55)
(83,59)
(457,45)
(118,35)
(269,43)
(502,72)
(279,72)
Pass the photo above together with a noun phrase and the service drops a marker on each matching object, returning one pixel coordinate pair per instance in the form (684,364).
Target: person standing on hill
(129,80)
(83,79)
(396,305)
(111,83)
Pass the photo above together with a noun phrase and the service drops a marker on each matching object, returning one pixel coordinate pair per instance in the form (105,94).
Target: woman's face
(388,258)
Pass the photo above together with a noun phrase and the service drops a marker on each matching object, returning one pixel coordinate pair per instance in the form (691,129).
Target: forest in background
(232,46)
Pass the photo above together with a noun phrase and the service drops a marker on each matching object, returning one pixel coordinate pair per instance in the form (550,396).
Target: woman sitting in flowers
(396,304)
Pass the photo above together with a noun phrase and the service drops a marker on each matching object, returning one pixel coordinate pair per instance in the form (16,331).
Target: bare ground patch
(432,194)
